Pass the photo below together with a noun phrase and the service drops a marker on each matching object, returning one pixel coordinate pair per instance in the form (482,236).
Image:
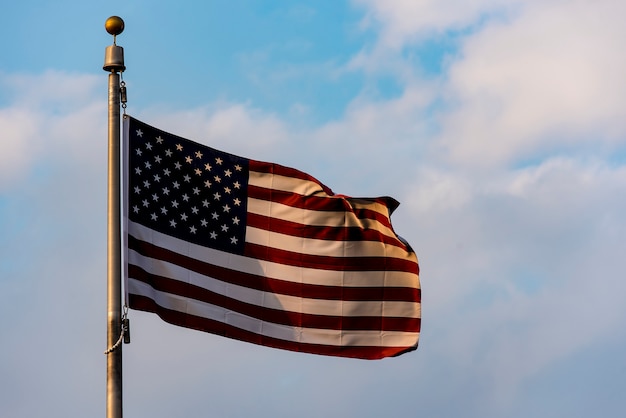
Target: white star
(137,170)
(187,178)
(218,161)
(237,185)
(138,151)
(227,173)
(198,154)
(204,222)
(157,177)
(198,172)
(185,197)
(226,208)
(173,223)
(217,179)
(146,184)
(207,167)
(236,220)
(233,240)
(168,153)
(214,215)
(166,191)
(164,210)
(139,133)
(237,202)
(196,190)
(149,146)
(213,235)
(154,216)
(183,216)
(217,196)
(157,159)
(192,229)
(159,140)
(207,183)
(174,204)
(224,228)
(148,165)
(145,203)
(194,210)
(155,197)
(177,165)
(176,185)
(227,190)
(166,171)
(136,209)
(238,167)
(137,189)
(205,203)
(179,147)
(188,159)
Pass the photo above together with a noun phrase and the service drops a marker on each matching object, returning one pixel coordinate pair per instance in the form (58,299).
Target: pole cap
(114,25)
(114,55)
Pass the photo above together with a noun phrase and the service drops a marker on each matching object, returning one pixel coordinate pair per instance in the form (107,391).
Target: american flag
(263,253)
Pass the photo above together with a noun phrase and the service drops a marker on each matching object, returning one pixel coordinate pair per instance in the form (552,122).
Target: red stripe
(220,328)
(304,290)
(277,316)
(320,232)
(319,262)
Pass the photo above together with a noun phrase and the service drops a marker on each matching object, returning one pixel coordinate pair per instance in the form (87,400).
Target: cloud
(522,79)
(48,114)
(17,151)
(238,128)
(537,83)
(519,270)
(406,21)
(52,203)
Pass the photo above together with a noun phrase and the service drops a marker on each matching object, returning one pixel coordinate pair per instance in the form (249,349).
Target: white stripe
(328,248)
(273,300)
(285,183)
(282,332)
(271,269)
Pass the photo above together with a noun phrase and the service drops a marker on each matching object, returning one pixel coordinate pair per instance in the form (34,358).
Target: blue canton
(186,190)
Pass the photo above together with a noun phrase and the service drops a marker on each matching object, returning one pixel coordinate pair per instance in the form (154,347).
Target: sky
(500,126)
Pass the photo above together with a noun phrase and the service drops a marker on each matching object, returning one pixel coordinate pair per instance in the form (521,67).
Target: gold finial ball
(114,25)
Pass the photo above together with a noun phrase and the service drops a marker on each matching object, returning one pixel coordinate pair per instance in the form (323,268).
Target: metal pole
(114,63)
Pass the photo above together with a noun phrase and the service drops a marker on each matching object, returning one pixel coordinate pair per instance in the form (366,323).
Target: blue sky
(500,126)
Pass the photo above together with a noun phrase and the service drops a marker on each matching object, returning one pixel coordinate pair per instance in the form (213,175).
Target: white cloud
(17,153)
(405,21)
(48,114)
(349,155)
(52,249)
(550,78)
(55,90)
(237,128)
(526,78)
(521,270)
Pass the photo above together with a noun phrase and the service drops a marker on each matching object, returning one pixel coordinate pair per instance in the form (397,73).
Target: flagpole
(114,64)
